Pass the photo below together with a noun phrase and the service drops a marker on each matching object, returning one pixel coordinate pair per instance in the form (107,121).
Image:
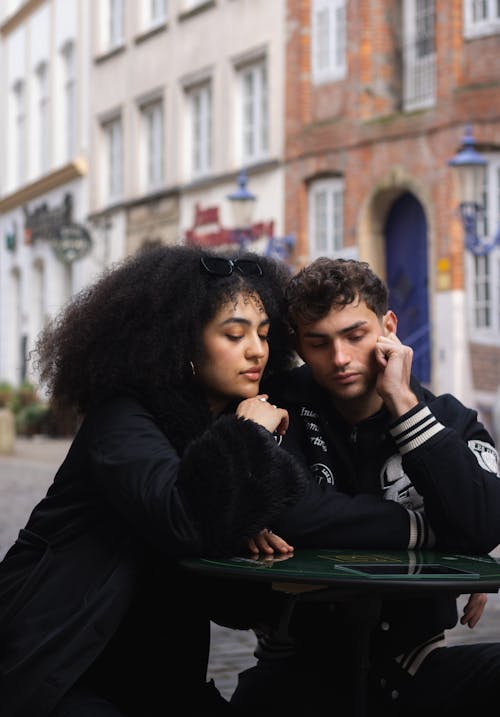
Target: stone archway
(373,215)
(394,238)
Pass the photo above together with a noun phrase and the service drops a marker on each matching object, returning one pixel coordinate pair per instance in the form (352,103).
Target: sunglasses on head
(220,266)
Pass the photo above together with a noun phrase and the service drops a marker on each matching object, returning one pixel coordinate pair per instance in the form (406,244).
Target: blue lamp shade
(243,203)
(470,170)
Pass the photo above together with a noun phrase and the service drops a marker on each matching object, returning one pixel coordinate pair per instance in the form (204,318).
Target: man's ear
(294,341)
(389,323)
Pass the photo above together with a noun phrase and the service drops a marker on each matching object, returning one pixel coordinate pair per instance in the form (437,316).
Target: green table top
(379,570)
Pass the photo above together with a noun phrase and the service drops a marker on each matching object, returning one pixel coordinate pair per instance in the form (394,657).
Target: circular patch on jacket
(323,473)
(486,455)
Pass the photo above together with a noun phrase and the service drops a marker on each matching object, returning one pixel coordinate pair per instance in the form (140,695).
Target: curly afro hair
(140,324)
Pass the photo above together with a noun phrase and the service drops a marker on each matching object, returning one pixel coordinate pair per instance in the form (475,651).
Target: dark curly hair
(140,324)
(325,282)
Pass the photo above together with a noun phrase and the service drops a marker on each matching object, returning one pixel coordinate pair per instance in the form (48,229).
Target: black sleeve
(230,483)
(452,461)
(237,480)
(325,518)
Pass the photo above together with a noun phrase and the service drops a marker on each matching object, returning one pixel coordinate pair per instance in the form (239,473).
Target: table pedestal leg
(361,616)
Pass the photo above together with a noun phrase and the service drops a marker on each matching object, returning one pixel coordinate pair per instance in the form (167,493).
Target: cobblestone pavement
(24,478)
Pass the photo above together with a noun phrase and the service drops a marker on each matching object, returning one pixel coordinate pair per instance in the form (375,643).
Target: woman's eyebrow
(243,322)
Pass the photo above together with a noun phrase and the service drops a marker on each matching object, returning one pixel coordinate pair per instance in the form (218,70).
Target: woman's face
(235,351)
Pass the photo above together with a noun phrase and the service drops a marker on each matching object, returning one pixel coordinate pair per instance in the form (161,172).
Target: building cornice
(61,176)
(20,16)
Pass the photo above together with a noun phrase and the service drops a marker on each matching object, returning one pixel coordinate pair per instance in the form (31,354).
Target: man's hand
(267,542)
(393,381)
(474,609)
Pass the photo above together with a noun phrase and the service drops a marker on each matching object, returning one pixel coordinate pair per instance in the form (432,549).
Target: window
(153,14)
(113,137)
(484,270)
(115,23)
(191,4)
(153,143)
(19,131)
(157,11)
(42,138)
(328,40)
(419,55)
(254,120)
(69,99)
(481,17)
(326,221)
(200,136)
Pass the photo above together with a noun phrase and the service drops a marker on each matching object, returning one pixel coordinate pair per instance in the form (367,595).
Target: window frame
(489,25)
(20,130)
(200,133)
(335,67)
(69,89)
(112,129)
(483,272)
(43,119)
(157,12)
(253,120)
(334,191)
(418,70)
(152,114)
(115,24)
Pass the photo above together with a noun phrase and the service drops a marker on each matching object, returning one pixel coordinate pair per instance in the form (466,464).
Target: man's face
(339,349)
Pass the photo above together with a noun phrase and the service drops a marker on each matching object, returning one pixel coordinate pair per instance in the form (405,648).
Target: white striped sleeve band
(411,661)
(421,533)
(415,430)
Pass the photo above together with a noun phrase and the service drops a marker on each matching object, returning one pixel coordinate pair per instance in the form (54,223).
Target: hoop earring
(193,370)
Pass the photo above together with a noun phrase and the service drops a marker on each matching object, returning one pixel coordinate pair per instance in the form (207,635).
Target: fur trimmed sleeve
(236,480)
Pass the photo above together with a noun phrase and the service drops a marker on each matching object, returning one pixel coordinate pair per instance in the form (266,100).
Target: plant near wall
(31,413)
(32,419)
(6,394)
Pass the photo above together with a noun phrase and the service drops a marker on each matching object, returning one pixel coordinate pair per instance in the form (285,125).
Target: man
(368,429)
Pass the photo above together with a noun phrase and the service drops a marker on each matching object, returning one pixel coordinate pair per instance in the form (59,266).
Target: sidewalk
(39,449)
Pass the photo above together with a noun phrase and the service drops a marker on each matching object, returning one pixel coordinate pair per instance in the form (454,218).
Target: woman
(175,455)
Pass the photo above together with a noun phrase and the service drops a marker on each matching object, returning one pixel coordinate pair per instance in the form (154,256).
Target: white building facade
(43,170)
(185,94)
(131,121)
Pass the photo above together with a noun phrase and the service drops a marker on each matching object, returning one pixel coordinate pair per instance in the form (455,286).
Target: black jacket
(437,462)
(126,501)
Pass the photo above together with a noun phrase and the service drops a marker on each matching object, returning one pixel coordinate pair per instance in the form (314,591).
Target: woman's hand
(474,609)
(268,542)
(266,414)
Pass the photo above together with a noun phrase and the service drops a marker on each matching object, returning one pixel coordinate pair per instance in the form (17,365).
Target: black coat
(125,502)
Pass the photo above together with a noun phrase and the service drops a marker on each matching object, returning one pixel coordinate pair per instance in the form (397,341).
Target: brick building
(378,93)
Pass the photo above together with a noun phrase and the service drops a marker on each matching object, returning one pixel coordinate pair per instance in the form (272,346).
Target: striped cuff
(411,661)
(421,533)
(415,430)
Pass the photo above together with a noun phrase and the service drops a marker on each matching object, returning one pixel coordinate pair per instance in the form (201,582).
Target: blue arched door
(406,265)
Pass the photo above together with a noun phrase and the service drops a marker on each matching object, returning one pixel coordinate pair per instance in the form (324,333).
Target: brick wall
(356,128)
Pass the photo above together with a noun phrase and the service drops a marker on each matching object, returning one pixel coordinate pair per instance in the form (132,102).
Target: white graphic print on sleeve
(486,455)
(397,486)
